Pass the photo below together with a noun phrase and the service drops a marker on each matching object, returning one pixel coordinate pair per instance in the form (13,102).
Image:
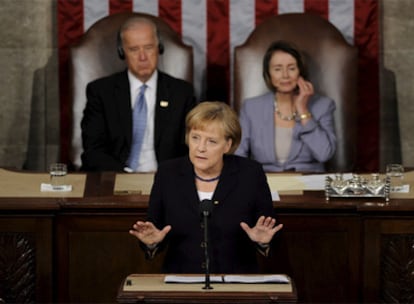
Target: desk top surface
(109,190)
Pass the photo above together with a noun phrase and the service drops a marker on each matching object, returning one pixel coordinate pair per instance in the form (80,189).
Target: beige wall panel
(398,56)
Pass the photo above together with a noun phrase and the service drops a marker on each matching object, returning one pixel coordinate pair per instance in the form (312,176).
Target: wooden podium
(151,288)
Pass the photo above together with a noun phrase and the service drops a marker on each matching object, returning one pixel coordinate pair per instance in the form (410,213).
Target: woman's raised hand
(301,99)
(147,233)
(263,231)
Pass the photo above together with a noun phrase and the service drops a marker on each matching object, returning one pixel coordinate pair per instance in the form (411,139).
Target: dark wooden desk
(152,289)
(79,250)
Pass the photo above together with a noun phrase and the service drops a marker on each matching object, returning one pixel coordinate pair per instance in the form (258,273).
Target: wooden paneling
(79,250)
(389,259)
(26,259)
(321,253)
(95,253)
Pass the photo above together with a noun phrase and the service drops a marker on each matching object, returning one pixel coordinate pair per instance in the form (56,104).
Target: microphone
(206,208)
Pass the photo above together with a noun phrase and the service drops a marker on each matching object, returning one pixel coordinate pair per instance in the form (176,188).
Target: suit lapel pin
(215,202)
(163,103)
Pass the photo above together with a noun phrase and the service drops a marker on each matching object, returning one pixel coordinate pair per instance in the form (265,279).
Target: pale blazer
(312,144)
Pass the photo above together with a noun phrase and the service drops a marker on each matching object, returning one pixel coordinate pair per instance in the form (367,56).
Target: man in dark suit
(107,124)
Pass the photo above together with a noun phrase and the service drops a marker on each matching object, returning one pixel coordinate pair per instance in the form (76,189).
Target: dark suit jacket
(242,194)
(107,121)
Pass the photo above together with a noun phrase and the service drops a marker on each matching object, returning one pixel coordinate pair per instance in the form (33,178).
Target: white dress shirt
(147,159)
(205,195)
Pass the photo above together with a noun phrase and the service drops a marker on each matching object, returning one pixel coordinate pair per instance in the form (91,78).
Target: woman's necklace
(207,180)
(283,117)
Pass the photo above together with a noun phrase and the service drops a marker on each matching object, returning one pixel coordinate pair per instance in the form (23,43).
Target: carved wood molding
(397,268)
(17,267)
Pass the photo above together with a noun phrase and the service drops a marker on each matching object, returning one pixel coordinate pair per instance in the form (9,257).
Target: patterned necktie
(138,128)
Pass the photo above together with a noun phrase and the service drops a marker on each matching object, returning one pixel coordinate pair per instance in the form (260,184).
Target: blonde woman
(242,220)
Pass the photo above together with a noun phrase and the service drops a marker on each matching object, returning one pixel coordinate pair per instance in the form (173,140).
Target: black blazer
(107,121)
(242,194)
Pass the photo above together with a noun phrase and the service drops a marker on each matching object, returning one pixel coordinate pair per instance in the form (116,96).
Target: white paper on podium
(271,278)
(252,279)
(191,279)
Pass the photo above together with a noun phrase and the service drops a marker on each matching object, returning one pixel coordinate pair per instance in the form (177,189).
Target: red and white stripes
(215,27)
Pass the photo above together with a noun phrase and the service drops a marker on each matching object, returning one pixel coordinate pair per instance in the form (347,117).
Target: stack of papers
(191,279)
(271,278)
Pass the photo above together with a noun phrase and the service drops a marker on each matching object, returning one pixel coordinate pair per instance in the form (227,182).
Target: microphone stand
(206,207)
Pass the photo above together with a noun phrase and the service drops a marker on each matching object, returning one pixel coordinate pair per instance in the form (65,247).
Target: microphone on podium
(206,208)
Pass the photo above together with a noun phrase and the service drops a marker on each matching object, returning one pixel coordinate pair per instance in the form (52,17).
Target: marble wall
(29,100)
(29,103)
(398,56)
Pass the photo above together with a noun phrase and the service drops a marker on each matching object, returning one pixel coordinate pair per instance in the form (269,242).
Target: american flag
(215,27)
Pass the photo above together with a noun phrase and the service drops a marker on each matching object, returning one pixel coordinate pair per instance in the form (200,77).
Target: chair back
(331,64)
(95,56)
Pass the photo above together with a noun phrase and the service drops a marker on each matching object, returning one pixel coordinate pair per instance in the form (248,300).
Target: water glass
(58,172)
(339,184)
(375,184)
(396,174)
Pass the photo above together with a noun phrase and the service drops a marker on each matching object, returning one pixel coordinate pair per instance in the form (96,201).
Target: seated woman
(290,128)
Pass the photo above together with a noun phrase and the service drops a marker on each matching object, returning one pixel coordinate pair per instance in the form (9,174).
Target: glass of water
(58,172)
(396,174)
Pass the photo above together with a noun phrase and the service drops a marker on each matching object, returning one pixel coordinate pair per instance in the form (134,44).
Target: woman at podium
(232,191)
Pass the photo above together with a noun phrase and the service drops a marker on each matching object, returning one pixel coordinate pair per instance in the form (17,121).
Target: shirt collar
(135,83)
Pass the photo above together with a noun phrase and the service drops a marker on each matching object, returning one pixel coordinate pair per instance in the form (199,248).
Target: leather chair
(332,68)
(95,56)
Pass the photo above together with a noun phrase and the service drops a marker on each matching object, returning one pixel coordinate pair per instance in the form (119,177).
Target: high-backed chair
(331,64)
(96,56)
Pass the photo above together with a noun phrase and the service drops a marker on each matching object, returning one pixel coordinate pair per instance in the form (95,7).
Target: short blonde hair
(207,112)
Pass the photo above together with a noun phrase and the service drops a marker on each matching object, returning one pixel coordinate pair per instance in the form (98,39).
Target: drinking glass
(58,173)
(396,174)
(339,184)
(375,184)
